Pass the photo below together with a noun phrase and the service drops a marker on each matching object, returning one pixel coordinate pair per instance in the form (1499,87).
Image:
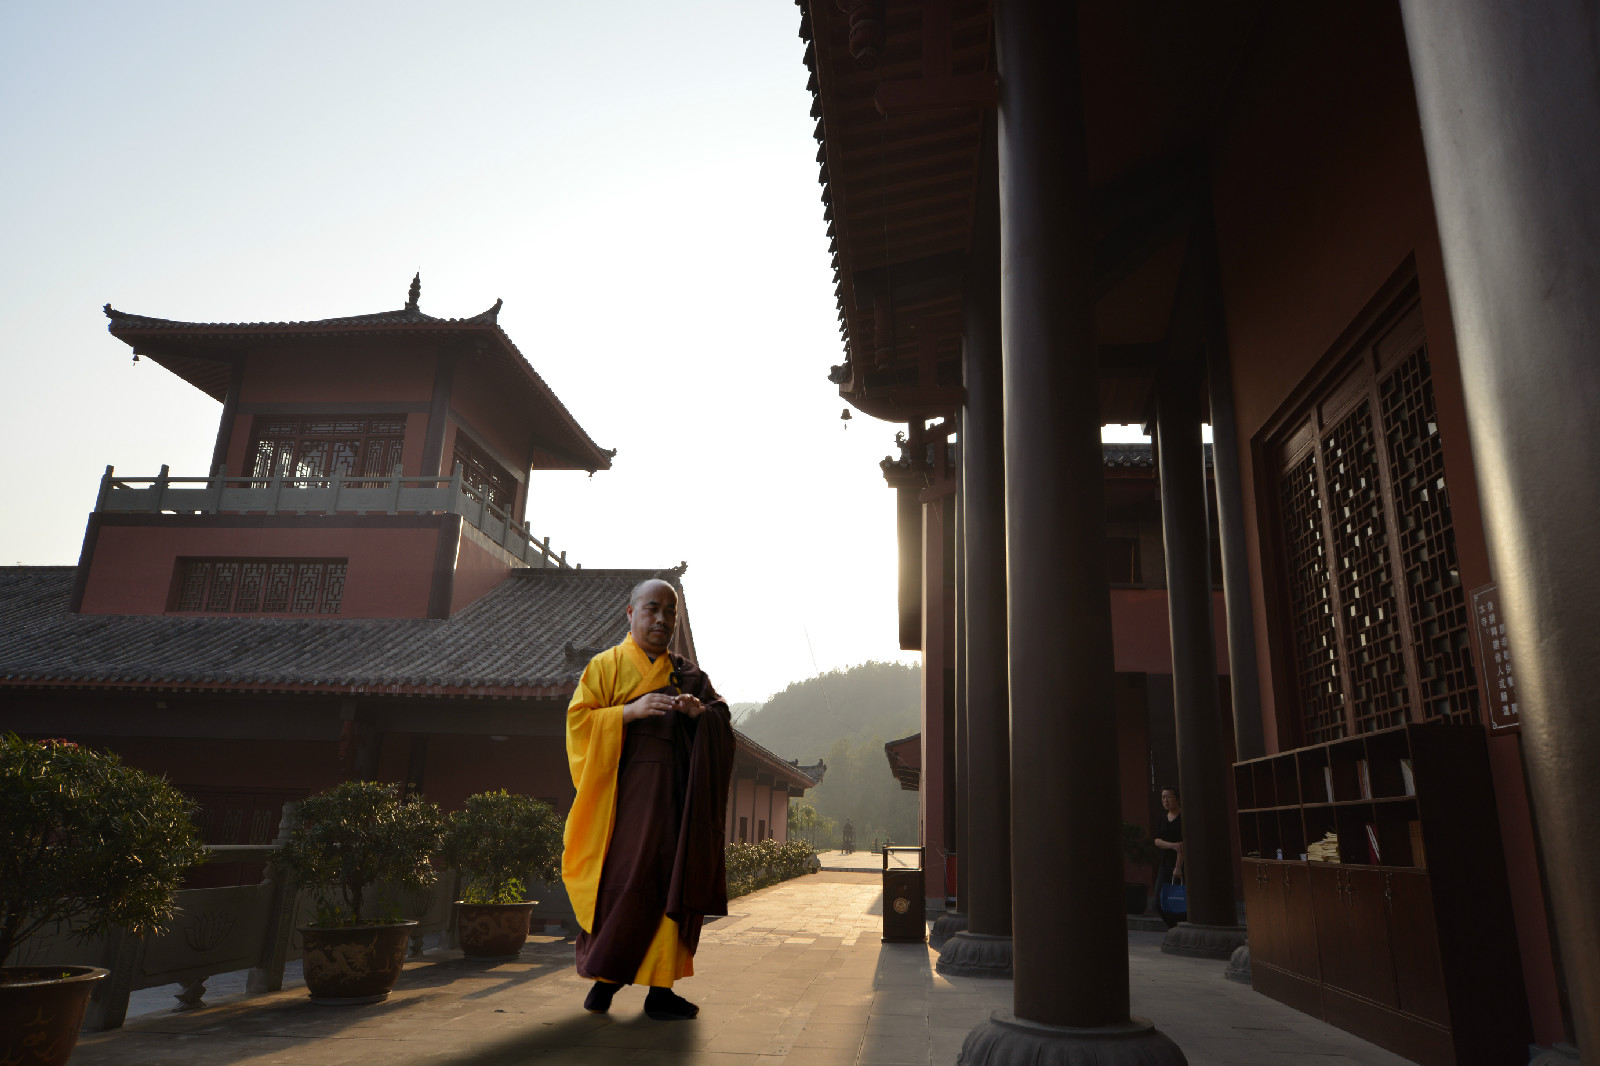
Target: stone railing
(223,930)
(330,494)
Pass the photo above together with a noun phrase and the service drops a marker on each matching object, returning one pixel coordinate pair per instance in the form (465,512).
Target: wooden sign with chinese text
(1499,680)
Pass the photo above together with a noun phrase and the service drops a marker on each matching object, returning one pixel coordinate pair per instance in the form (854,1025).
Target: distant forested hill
(845,717)
(807,718)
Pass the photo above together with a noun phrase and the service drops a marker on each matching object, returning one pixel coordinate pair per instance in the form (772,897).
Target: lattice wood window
(260,586)
(485,475)
(1376,611)
(291,446)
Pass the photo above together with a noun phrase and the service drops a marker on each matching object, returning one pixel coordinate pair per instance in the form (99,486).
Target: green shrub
(498,841)
(1138,848)
(765,862)
(356,835)
(88,841)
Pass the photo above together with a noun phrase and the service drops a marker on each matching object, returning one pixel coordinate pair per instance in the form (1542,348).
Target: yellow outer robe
(594,748)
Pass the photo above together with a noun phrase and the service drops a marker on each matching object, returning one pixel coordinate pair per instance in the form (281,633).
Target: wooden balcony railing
(325,494)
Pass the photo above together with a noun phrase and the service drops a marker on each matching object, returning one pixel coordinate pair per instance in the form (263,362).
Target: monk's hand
(690,705)
(650,705)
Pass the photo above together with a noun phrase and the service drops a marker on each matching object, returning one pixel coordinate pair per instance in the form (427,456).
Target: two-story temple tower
(375,466)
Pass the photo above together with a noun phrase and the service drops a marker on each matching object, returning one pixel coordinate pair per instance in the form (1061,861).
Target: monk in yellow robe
(650,745)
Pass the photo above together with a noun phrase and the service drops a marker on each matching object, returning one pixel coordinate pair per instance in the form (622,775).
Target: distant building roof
(790,769)
(202,353)
(905,761)
(1136,456)
(528,637)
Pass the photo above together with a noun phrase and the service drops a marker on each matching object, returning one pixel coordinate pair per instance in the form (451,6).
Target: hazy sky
(636,180)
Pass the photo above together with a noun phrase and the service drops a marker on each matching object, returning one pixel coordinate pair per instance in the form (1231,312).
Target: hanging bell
(845,416)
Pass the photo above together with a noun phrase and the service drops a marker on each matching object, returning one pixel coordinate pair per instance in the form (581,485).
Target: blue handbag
(1173,897)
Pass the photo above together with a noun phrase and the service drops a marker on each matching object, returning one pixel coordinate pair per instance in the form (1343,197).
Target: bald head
(653,587)
(653,615)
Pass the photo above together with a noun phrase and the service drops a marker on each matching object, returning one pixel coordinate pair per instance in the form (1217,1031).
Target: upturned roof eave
(138,331)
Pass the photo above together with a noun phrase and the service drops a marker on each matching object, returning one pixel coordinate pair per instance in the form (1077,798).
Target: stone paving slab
(796,974)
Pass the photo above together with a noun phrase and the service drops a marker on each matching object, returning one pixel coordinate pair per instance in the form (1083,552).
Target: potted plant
(87,844)
(1137,850)
(349,839)
(498,841)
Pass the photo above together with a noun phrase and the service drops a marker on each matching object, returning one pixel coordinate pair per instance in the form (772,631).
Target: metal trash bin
(904,921)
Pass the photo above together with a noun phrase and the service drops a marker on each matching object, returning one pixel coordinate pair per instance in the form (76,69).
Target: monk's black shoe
(598,1001)
(665,1005)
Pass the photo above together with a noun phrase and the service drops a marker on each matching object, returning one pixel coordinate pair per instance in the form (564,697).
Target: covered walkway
(795,974)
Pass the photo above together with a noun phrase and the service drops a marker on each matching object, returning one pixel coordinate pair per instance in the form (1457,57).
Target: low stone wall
(221,930)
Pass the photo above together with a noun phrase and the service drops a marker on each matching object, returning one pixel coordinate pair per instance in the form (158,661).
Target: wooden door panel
(1373,971)
(1419,976)
(1299,929)
(1332,924)
(1257,908)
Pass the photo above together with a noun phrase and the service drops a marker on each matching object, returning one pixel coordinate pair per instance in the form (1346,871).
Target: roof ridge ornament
(415,292)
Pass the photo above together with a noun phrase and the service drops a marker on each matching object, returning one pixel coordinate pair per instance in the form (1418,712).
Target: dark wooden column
(959,782)
(984,950)
(1070,947)
(1511,123)
(1212,929)
(1244,682)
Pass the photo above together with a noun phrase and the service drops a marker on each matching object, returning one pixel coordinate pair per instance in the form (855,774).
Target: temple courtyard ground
(796,974)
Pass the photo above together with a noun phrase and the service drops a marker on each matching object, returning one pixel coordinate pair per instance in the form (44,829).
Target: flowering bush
(87,841)
(766,862)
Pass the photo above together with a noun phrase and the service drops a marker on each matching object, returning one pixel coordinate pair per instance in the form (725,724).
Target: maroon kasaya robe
(666,854)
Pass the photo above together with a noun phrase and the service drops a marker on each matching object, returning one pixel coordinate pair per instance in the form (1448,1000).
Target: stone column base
(946,926)
(1006,1040)
(1203,941)
(1239,965)
(969,954)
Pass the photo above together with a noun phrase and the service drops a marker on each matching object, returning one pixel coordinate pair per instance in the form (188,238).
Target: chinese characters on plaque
(1499,678)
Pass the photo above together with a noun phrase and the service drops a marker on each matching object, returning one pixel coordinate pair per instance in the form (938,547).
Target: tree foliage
(844,717)
(87,841)
(358,834)
(803,721)
(499,840)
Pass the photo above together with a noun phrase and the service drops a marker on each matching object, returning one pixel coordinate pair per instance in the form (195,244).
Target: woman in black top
(1169,838)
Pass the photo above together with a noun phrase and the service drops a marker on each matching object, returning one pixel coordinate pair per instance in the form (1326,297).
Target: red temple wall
(1133,762)
(460,765)
(1321,194)
(1142,636)
(390,575)
(254,763)
(480,566)
(741,801)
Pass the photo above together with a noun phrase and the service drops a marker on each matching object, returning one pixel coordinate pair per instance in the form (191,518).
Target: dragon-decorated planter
(354,964)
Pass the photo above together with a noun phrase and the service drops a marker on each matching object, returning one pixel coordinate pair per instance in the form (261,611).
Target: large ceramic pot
(1138,897)
(354,964)
(493,931)
(41,1008)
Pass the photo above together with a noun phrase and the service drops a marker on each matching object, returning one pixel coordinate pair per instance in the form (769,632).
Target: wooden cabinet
(1406,939)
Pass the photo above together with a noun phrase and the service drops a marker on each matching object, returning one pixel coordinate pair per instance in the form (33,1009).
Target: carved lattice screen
(1316,656)
(1373,591)
(1376,684)
(1441,636)
(260,586)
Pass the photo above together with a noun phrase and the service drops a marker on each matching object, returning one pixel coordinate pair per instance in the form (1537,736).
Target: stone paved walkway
(796,974)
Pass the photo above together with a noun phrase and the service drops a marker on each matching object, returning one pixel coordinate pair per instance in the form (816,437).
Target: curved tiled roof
(528,637)
(196,352)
